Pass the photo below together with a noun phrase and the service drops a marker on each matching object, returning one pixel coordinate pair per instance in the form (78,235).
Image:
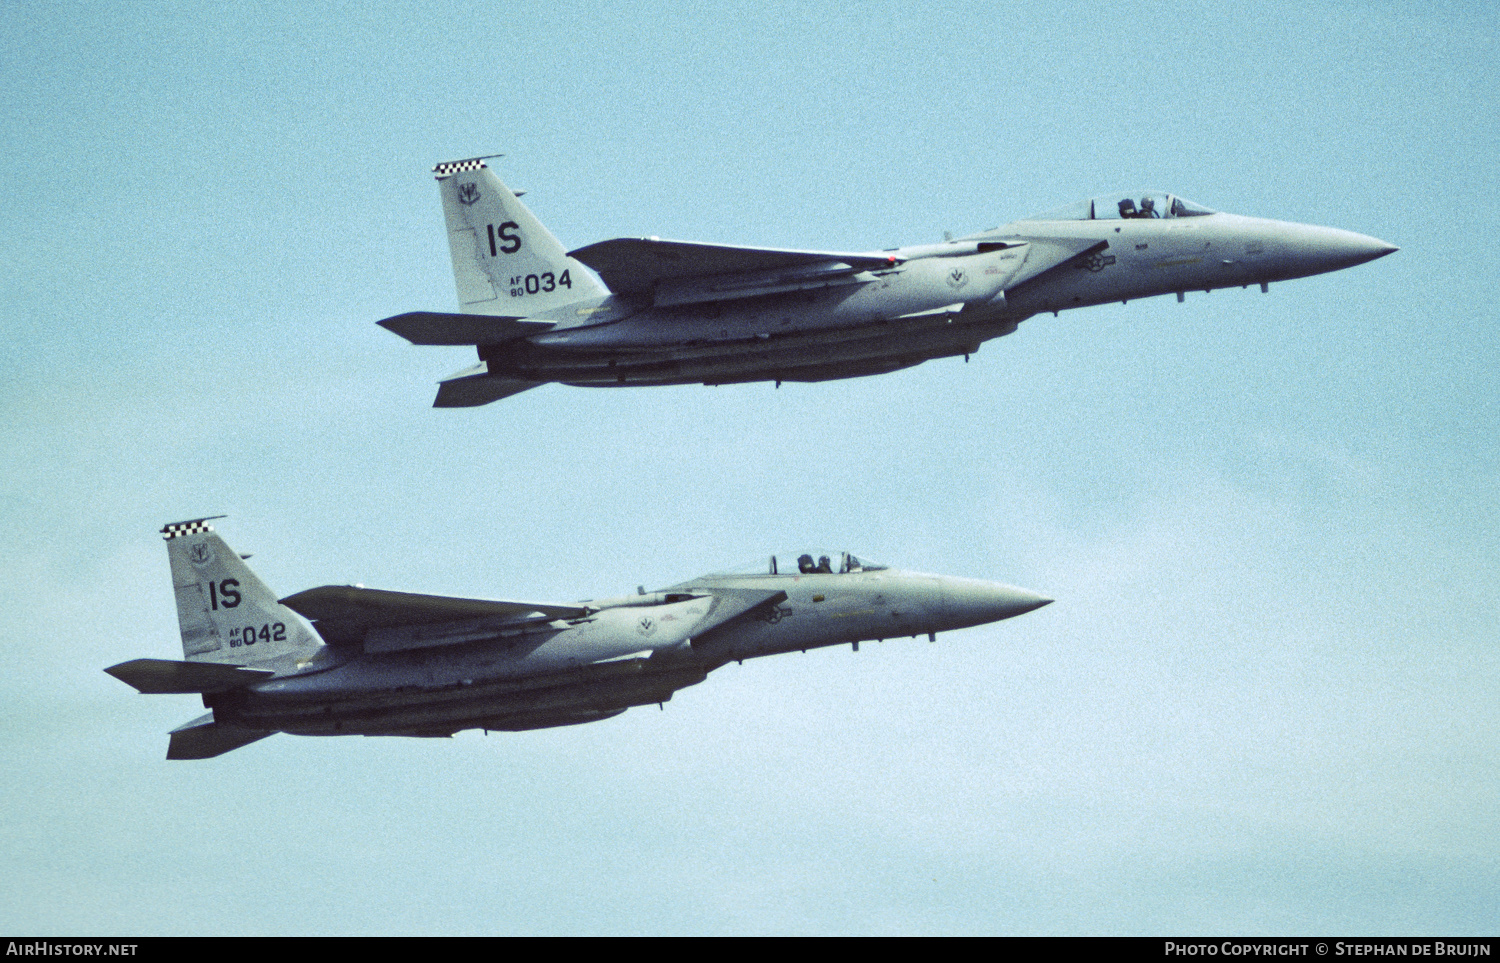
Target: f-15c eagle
(647,311)
(349,660)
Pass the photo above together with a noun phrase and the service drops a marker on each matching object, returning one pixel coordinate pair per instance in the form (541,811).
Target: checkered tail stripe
(449,168)
(195,526)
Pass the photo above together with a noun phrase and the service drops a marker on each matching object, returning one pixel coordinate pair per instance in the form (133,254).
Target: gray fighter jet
(676,312)
(379,663)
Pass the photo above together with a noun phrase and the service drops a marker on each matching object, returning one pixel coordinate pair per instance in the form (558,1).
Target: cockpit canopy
(1127,206)
(809,563)
(821,564)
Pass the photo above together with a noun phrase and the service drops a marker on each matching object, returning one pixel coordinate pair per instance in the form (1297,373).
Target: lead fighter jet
(380,663)
(676,312)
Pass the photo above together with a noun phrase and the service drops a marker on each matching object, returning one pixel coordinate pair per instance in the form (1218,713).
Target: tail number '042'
(522,285)
(249,635)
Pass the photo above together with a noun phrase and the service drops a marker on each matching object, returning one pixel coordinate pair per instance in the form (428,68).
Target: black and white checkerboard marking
(195,526)
(450,168)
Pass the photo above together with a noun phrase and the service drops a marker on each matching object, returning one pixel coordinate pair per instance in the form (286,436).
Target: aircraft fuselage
(931,302)
(607,661)
(349,660)
(647,311)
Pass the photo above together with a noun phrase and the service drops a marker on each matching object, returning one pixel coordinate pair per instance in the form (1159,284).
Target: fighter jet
(350,660)
(647,311)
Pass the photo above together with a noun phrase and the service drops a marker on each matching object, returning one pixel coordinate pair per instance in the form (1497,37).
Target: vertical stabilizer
(226,613)
(504,261)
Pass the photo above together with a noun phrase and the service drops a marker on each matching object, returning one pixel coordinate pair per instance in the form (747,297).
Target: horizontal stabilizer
(432,327)
(166,677)
(473,387)
(348,613)
(634,265)
(203,738)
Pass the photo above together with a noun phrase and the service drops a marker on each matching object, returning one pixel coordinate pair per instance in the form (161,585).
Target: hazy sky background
(1267,699)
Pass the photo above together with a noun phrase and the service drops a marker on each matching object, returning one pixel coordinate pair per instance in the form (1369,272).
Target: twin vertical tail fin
(509,271)
(226,613)
(504,261)
(234,632)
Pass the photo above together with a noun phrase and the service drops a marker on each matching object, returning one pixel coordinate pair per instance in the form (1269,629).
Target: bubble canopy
(808,563)
(1126,206)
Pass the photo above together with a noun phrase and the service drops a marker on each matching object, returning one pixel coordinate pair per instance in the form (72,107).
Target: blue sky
(1264,702)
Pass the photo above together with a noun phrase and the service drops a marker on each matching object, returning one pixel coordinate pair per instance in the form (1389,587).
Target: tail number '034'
(249,635)
(522,285)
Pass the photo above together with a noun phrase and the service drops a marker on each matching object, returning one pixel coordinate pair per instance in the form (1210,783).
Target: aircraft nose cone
(1330,249)
(979,602)
(1358,248)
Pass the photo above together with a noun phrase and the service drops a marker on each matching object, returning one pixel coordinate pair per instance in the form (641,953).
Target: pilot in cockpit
(1147,209)
(806,565)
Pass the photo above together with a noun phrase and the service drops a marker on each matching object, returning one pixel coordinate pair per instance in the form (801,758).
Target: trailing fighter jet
(644,311)
(348,660)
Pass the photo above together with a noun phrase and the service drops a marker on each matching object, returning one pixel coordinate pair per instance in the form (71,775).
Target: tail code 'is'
(504,261)
(226,613)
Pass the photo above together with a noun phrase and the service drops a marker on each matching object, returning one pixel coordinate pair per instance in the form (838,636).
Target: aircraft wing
(386,621)
(636,265)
